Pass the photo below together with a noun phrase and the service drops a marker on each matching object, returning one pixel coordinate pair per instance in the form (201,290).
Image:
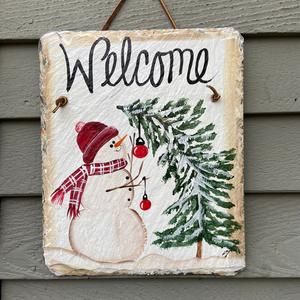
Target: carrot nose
(120,141)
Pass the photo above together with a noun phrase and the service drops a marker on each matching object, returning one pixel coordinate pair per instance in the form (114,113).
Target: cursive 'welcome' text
(154,69)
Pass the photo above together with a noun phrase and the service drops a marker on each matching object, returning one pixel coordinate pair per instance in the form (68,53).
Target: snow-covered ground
(148,265)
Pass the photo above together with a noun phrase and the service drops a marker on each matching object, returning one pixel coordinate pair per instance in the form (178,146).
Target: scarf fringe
(58,196)
(73,212)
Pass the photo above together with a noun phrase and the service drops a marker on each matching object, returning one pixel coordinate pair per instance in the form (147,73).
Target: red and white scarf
(76,182)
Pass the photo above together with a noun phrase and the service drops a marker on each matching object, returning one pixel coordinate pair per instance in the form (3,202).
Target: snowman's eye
(113,142)
(111,145)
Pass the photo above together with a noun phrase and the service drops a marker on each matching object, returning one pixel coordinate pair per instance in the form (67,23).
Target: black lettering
(89,80)
(156,73)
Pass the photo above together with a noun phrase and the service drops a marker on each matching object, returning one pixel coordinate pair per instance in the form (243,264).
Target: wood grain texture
(21,239)
(19,81)
(20,158)
(139,289)
(29,19)
(272,83)
(272,237)
(271,154)
(271,79)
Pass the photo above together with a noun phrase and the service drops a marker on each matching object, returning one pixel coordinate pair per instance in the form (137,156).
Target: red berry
(145,204)
(140,151)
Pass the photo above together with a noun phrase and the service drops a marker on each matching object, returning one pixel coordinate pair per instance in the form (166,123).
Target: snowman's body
(107,229)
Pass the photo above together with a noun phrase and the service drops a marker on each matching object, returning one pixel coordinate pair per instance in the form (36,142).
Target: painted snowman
(106,229)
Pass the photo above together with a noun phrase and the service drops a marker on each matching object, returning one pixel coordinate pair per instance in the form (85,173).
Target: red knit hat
(91,137)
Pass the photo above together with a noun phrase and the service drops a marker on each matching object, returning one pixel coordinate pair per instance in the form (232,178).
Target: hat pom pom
(79,126)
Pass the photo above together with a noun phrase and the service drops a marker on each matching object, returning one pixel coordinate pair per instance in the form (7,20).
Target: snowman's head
(113,149)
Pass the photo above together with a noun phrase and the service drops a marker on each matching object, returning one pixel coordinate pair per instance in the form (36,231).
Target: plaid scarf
(76,182)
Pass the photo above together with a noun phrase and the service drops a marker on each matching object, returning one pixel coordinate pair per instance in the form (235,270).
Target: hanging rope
(167,13)
(121,3)
(113,15)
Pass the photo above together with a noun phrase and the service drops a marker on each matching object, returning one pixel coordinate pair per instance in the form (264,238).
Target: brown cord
(60,102)
(113,15)
(215,96)
(167,12)
(119,6)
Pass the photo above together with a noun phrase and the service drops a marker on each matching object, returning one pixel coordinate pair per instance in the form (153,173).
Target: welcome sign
(142,171)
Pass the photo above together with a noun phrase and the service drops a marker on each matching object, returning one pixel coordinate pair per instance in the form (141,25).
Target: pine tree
(202,176)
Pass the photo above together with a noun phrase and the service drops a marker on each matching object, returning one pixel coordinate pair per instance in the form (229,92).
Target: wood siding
(272,147)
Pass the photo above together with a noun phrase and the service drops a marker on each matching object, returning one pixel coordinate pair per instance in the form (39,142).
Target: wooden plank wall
(272,146)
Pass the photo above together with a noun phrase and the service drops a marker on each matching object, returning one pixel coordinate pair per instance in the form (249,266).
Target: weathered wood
(21,239)
(139,289)
(272,223)
(272,82)
(20,171)
(29,19)
(266,72)
(19,81)
(271,153)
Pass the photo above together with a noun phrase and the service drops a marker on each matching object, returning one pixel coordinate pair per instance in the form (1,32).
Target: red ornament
(140,150)
(145,203)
